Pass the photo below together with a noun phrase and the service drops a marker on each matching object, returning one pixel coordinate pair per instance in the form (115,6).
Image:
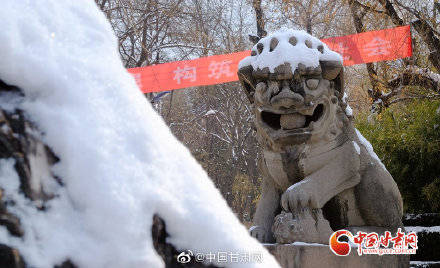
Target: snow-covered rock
(118,162)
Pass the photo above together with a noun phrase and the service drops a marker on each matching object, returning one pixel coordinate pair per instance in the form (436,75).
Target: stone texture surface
(307,225)
(10,257)
(290,121)
(312,256)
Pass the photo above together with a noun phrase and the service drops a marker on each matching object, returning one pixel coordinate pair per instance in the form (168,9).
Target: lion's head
(296,85)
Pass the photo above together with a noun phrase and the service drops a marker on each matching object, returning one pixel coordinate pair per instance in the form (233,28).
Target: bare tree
(316,17)
(407,79)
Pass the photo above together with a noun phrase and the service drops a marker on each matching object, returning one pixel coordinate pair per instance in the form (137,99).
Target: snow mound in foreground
(303,48)
(119,161)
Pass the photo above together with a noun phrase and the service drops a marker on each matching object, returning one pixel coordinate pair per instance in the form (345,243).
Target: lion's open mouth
(292,120)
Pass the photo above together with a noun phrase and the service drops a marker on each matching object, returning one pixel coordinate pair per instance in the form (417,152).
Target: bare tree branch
(415,76)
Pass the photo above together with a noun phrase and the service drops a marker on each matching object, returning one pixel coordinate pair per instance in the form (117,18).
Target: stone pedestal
(303,255)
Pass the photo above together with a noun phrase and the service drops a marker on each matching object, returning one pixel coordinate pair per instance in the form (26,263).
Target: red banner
(365,47)
(389,44)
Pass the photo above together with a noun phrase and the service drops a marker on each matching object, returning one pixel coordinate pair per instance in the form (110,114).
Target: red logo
(340,248)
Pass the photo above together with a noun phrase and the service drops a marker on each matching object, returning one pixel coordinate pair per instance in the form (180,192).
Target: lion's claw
(297,197)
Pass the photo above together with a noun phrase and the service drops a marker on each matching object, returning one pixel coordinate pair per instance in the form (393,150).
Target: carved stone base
(305,255)
(308,225)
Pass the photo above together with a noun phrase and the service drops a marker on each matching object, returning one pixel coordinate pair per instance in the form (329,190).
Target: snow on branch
(410,76)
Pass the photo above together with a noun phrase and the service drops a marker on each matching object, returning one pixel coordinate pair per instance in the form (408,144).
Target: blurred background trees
(407,139)
(396,101)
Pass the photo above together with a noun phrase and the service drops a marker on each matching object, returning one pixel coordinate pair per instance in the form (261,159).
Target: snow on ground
(286,52)
(427,264)
(119,161)
(424,262)
(210,112)
(419,229)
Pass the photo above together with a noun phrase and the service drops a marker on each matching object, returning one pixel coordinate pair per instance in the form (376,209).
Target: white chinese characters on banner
(185,73)
(342,49)
(377,46)
(218,69)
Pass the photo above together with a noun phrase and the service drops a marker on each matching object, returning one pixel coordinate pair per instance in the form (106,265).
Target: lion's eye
(312,83)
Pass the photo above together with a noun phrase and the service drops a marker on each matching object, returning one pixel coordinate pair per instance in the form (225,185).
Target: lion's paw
(299,196)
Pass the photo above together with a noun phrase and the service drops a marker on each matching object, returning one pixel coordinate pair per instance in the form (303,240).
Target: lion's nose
(287,99)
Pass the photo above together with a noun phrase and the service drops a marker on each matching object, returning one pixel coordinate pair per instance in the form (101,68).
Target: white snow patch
(348,110)
(5,128)
(418,229)
(369,148)
(286,52)
(426,264)
(211,112)
(308,244)
(412,216)
(356,146)
(344,98)
(119,162)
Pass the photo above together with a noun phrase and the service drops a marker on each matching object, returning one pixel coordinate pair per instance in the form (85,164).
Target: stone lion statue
(319,173)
